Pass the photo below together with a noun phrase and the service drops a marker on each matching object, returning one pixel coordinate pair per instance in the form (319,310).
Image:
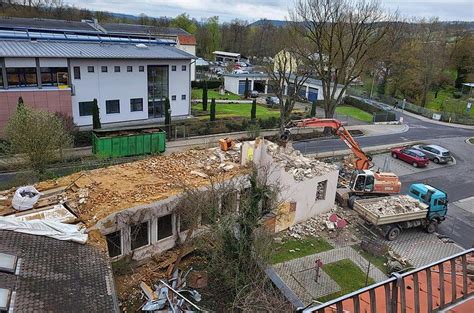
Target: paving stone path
(298,274)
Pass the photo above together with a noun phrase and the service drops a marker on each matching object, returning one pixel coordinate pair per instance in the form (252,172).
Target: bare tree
(337,36)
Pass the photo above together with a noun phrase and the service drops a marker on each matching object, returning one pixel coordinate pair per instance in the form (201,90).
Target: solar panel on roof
(4,299)
(7,263)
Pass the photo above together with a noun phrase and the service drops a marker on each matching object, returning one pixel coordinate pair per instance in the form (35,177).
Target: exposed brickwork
(57,276)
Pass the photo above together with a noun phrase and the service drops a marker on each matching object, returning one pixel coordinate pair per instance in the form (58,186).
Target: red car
(412,156)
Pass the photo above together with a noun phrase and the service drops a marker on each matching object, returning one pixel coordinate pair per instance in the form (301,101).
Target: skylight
(7,263)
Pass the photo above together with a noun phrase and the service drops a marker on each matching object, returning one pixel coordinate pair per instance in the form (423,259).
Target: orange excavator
(364,183)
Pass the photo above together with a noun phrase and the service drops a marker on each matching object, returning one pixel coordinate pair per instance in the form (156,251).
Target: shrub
(253,111)
(211,84)
(95,115)
(204,97)
(457,95)
(213,109)
(253,130)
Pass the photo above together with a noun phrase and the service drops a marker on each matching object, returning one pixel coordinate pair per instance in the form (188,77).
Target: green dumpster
(128,142)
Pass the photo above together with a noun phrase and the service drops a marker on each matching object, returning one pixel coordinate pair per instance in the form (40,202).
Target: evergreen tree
(253,111)
(213,109)
(95,115)
(168,117)
(246,91)
(313,109)
(204,97)
(20,104)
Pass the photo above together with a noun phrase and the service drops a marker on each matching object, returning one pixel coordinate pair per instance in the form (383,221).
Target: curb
(468,142)
(428,120)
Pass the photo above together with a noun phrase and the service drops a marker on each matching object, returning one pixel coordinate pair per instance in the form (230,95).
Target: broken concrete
(394,205)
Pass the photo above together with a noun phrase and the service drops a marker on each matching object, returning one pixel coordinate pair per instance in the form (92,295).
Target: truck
(424,206)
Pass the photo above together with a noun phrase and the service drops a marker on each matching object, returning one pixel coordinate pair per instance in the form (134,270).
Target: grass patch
(471,140)
(376,260)
(301,247)
(347,275)
(445,102)
(355,113)
(237,110)
(214,93)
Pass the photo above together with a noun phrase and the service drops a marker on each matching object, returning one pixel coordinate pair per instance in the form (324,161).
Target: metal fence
(426,289)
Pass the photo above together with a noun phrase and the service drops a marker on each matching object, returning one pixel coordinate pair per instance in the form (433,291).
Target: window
(22,77)
(90,69)
(53,76)
(136,104)
(184,223)
(173,68)
(104,69)
(183,68)
(321,190)
(114,243)
(77,72)
(141,68)
(415,192)
(85,108)
(117,69)
(183,97)
(129,68)
(112,106)
(165,226)
(173,97)
(139,235)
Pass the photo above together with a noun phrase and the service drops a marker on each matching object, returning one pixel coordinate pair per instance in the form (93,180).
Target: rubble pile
(295,163)
(394,205)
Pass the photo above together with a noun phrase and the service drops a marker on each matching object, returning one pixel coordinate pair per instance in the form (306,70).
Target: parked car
(254,94)
(435,153)
(412,156)
(271,101)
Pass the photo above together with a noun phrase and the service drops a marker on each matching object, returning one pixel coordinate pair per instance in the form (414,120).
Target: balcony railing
(426,289)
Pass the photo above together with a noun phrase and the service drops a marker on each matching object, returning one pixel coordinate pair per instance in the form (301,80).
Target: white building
(222,56)
(235,83)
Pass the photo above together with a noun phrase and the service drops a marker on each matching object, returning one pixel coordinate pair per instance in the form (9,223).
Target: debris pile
(395,205)
(295,163)
(173,295)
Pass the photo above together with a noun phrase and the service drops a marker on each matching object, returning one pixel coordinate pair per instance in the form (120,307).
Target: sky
(252,10)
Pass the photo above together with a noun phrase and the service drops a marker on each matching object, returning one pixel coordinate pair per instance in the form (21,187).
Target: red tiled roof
(187,39)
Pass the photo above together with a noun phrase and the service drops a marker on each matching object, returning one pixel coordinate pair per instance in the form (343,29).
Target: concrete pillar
(266,86)
(4,73)
(38,73)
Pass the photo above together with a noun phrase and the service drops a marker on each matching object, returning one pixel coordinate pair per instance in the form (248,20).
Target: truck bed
(387,210)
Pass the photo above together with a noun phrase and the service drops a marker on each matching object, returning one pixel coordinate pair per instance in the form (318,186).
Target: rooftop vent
(141,46)
(7,263)
(4,299)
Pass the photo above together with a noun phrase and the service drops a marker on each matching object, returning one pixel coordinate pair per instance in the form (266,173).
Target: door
(242,87)
(360,183)
(312,94)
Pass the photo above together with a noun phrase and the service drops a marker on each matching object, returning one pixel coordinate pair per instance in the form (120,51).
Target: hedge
(211,84)
(362,105)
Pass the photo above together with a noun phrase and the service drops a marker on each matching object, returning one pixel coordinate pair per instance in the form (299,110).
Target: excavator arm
(362,162)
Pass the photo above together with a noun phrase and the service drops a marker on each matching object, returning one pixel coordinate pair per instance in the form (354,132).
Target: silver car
(435,153)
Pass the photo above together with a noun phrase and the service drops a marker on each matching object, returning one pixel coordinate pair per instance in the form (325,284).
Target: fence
(426,289)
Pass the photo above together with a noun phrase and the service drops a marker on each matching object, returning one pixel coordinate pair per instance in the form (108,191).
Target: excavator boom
(362,162)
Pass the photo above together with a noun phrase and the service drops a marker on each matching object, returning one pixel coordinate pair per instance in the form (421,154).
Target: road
(457,180)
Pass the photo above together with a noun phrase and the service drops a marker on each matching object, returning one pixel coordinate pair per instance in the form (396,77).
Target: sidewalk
(428,120)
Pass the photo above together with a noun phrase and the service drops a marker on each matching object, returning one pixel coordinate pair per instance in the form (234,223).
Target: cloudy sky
(253,10)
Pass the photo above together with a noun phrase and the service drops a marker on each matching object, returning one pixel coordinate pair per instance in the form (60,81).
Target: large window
(136,104)
(112,106)
(1,78)
(165,226)
(85,108)
(22,76)
(139,235)
(157,89)
(321,190)
(77,72)
(53,76)
(114,243)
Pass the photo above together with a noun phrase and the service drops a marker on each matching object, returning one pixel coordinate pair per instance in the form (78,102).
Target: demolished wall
(298,177)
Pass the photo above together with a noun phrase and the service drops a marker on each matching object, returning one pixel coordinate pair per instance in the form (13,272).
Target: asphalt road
(457,180)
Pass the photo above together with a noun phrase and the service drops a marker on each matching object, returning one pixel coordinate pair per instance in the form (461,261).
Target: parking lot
(385,162)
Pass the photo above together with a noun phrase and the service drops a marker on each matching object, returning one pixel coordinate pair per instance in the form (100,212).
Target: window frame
(170,215)
(173,68)
(141,68)
(183,97)
(104,68)
(121,243)
(132,104)
(90,69)
(117,69)
(184,68)
(173,97)
(108,102)
(129,68)
(83,102)
(148,227)
(76,75)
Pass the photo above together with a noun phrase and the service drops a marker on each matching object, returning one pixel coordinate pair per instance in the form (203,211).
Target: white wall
(192,50)
(20,62)
(124,86)
(231,84)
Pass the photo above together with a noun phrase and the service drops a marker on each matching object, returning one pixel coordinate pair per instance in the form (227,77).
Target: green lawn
(355,113)
(214,93)
(347,275)
(447,103)
(377,261)
(237,110)
(471,140)
(301,247)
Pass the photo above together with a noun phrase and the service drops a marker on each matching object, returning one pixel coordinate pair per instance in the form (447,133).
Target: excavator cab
(362,181)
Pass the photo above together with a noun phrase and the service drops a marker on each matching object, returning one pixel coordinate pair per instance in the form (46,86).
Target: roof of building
(230,54)
(187,40)
(85,50)
(57,276)
(123,28)
(309,81)
(45,24)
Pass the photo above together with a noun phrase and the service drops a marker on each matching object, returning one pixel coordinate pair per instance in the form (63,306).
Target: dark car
(412,156)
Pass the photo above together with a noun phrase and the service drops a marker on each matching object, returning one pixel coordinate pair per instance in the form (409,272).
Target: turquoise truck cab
(436,199)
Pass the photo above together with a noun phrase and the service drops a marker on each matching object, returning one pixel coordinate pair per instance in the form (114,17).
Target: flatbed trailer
(391,224)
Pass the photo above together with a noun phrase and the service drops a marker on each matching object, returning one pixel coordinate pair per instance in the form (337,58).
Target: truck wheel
(350,202)
(393,233)
(431,228)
